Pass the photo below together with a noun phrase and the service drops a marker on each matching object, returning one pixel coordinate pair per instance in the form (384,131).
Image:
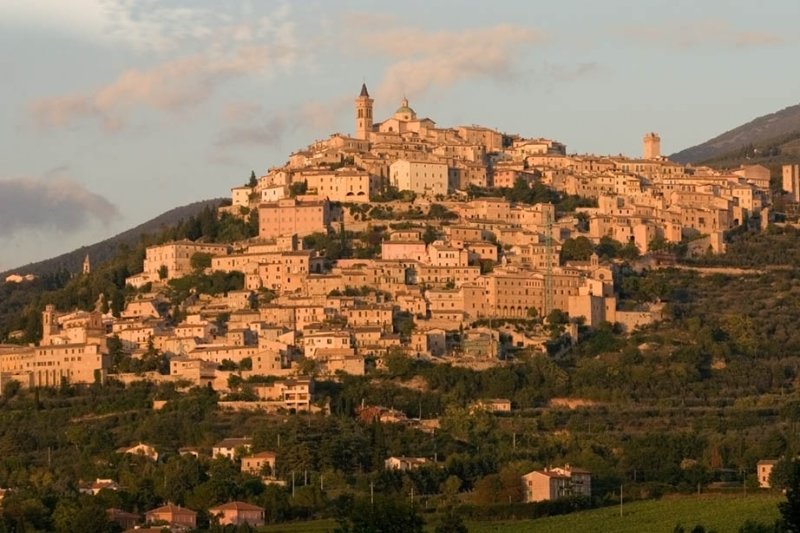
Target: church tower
(49,325)
(87,265)
(363,114)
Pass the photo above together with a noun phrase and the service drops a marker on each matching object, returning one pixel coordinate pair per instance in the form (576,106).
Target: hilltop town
(406,241)
(393,241)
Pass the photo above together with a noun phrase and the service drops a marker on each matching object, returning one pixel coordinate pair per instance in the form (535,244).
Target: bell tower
(49,324)
(363,114)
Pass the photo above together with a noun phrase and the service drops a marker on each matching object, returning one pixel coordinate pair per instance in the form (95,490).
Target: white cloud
(142,24)
(170,86)
(223,47)
(424,60)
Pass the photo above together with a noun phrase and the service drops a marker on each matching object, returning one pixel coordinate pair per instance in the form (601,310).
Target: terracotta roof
(261,455)
(171,508)
(237,506)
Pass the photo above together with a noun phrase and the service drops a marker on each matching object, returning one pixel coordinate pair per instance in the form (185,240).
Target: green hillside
(715,512)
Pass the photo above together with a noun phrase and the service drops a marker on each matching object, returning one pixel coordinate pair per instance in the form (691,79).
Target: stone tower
(652,146)
(363,114)
(87,265)
(49,324)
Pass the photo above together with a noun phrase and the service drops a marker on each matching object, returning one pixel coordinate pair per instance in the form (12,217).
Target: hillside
(764,130)
(105,250)
(716,512)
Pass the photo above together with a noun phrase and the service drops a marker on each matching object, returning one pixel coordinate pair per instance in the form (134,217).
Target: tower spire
(363,114)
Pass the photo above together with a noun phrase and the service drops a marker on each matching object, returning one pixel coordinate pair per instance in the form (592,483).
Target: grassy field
(314,526)
(720,513)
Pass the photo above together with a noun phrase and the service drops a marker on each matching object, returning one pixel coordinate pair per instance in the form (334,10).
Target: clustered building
(440,287)
(433,290)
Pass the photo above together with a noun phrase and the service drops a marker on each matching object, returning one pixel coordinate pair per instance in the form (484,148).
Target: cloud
(247,123)
(707,32)
(62,205)
(424,60)
(264,131)
(141,25)
(172,86)
(199,50)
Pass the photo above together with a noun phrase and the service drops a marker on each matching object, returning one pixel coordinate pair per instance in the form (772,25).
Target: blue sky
(117,110)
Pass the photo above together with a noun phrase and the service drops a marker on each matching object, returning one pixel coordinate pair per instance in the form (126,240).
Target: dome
(404,112)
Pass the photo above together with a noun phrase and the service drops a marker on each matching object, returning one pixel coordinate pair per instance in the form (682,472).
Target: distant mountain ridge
(766,133)
(105,250)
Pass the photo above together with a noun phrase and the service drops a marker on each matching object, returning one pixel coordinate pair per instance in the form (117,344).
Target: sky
(115,111)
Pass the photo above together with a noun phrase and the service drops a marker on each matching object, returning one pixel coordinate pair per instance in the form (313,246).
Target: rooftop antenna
(548,276)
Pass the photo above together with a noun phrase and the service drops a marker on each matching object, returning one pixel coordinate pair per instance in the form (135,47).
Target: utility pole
(620,500)
(371,493)
(548,243)
(292,483)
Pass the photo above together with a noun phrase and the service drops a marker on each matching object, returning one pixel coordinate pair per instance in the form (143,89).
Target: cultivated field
(720,513)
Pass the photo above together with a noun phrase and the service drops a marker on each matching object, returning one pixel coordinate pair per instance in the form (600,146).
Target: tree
(578,249)
(583,222)
(608,248)
(385,514)
(200,261)
(403,323)
(438,211)
(11,388)
(163,272)
(228,365)
(181,475)
(557,317)
(451,522)
(253,181)
(629,251)
(297,188)
(556,320)
(83,514)
(488,490)
(429,235)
